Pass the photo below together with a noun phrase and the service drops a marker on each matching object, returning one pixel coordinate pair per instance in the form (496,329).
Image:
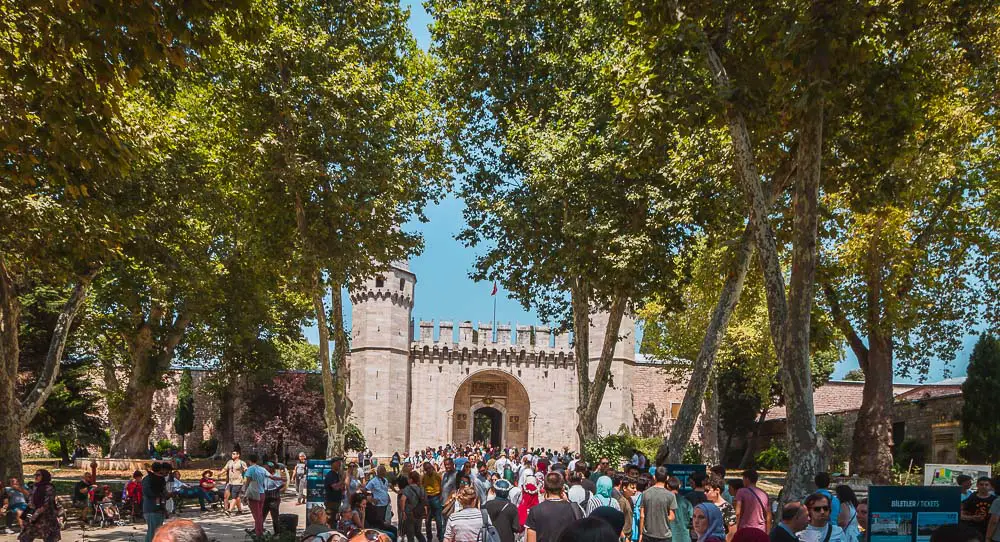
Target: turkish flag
(494,292)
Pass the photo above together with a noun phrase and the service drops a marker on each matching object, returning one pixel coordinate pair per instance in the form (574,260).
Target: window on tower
(380,282)
(402,284)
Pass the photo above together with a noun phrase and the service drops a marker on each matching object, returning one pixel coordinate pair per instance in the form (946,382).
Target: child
(108,506)
(346,523)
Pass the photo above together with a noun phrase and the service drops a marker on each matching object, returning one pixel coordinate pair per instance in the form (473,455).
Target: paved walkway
(217,525)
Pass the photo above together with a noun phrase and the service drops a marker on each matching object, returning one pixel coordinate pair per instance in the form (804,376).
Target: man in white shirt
(572,464)
(526,471)
(820,528)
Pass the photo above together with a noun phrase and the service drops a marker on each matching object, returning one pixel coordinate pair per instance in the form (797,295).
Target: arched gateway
(491,406)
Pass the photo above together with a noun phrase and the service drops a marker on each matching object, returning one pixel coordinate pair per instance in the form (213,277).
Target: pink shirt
(752,513)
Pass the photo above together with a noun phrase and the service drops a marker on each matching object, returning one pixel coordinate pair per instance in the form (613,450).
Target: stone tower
(616,408)
(381,333)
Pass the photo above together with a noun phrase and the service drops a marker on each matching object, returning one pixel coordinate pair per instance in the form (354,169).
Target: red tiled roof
(929,392)
(837,396)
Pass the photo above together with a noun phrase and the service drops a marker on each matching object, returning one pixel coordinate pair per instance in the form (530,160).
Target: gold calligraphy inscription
(492,389)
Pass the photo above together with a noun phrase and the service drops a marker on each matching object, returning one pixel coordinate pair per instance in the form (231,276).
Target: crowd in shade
(473,493)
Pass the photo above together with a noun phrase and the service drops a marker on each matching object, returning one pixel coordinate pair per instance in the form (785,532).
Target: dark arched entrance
(488,426)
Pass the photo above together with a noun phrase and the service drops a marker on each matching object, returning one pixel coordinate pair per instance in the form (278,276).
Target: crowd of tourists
(479,493)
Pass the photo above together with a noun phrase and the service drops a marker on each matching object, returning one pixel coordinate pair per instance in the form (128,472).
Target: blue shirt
(380,490)
(258,476)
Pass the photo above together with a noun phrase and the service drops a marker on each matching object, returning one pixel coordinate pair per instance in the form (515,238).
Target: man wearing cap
(502,513)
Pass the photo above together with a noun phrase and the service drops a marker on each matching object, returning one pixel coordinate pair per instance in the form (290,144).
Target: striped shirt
(596,502)
(464,525)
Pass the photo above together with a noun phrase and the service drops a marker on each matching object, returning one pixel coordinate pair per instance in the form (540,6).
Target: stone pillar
(503,335)
(446,335)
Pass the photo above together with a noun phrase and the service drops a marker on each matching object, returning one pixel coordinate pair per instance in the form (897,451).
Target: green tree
(855,375)
(980,412)
(184,415)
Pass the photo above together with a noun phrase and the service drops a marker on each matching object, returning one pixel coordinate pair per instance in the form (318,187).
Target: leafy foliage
(980,411)
(354,439)
(855,375)
(775,457)
(692,454)
(286,409)
(833,430)
(184,414)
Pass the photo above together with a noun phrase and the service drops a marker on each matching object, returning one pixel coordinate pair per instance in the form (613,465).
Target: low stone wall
(112,464)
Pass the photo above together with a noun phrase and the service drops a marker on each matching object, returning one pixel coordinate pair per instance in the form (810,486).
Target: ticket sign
(684,473)
(316,470)
(910,513)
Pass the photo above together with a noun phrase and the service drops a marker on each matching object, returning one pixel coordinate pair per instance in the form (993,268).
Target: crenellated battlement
(529,344)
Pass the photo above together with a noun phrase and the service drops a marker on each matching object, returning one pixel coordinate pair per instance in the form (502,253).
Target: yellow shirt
(432,484)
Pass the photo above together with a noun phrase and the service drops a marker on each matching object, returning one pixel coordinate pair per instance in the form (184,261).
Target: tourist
(346,524)
(133,495)
(658,509)
(847,516)
(820,528)
(17,502)
(481,482)
(993,527)
(318,529)
(255,479)
(713,492)
(822,481)
(44,520)
(627,489)
(577,493)
(526,471)
(299,479)
(584,469)
(680,527)
(154,498)
(394,464)
(358,503)
(465,524)
(180,490)
(964,481)
(379,488)
(753,508)
(431,482)
(707,523)
(208,485)
(602,465)
(273,486)
(503,514)
(642,483)
(750,534)
(863,519)
(720,472)
(588,530)
(529,499)
(333,489)
(412,506)
(794,518)
(697,494)
(234,469)
(603,496)
(81,494)
(180,530)
(976,508)
(546,521)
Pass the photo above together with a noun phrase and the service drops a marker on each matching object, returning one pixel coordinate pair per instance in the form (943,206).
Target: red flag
(494,292)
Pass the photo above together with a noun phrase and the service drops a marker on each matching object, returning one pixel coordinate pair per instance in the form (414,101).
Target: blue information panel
(910,513)
(683,473)
(316,470)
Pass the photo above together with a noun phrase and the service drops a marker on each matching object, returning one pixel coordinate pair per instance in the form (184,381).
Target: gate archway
(499,402)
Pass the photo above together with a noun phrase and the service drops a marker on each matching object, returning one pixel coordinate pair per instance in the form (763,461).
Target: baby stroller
(105,512)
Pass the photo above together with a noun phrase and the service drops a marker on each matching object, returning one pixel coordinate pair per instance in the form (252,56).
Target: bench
(67,514)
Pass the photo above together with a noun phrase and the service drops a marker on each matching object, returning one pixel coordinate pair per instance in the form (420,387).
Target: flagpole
(494,326)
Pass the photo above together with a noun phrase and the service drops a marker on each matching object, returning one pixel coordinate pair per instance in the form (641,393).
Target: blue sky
(445,292)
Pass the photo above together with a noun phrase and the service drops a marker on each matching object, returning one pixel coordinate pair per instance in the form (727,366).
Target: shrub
(691,454)
(907,450)
(164,445)
(209,447)
(775,457)
(52,446)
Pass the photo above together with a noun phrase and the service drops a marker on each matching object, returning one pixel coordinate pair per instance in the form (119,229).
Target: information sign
(910,513)
(684,472)
(944,475)
(316,470)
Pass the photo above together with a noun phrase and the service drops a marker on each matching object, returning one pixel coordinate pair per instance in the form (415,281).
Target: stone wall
(656,393)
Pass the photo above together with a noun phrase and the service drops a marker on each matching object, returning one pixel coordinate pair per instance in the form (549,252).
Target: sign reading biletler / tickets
(683,473)
(944,475)
(316,470)
(910,513)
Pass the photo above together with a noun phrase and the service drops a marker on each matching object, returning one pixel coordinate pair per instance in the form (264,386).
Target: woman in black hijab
(44,522)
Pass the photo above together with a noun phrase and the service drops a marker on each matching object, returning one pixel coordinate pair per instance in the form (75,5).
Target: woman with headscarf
(708,524)
(603,496)
(44,522)
(529,498)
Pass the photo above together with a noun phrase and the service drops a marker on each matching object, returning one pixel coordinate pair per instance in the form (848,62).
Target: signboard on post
(683,473)
(910,513)
(316,470)
(944,475)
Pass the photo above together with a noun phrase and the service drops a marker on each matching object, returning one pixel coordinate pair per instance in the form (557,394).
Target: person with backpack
(502,513)
(820,528)
(470,524)
(412,505)
(549,518)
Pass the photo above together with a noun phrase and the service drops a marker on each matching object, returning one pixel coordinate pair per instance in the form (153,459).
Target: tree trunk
(680,430)
(183,449)
(580,302)
(14,414)
(710,426)
(335,384)
(227,414)
(871,453)
(150,362)
(64,455)
(751,449)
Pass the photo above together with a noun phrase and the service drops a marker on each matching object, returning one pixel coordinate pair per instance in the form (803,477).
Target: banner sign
(683,473)
(316,470)
(944,475)
(910,513)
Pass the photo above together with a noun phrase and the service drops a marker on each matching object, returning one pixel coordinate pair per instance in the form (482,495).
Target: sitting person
(207,484)
(346,524)
(107,504)
(318,530)
(180,490)
(17,503)
(81,494)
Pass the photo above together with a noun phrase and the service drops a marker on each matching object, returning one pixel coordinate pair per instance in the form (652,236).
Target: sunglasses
(820,509)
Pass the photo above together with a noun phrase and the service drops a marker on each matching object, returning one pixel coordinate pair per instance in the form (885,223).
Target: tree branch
(839,318)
